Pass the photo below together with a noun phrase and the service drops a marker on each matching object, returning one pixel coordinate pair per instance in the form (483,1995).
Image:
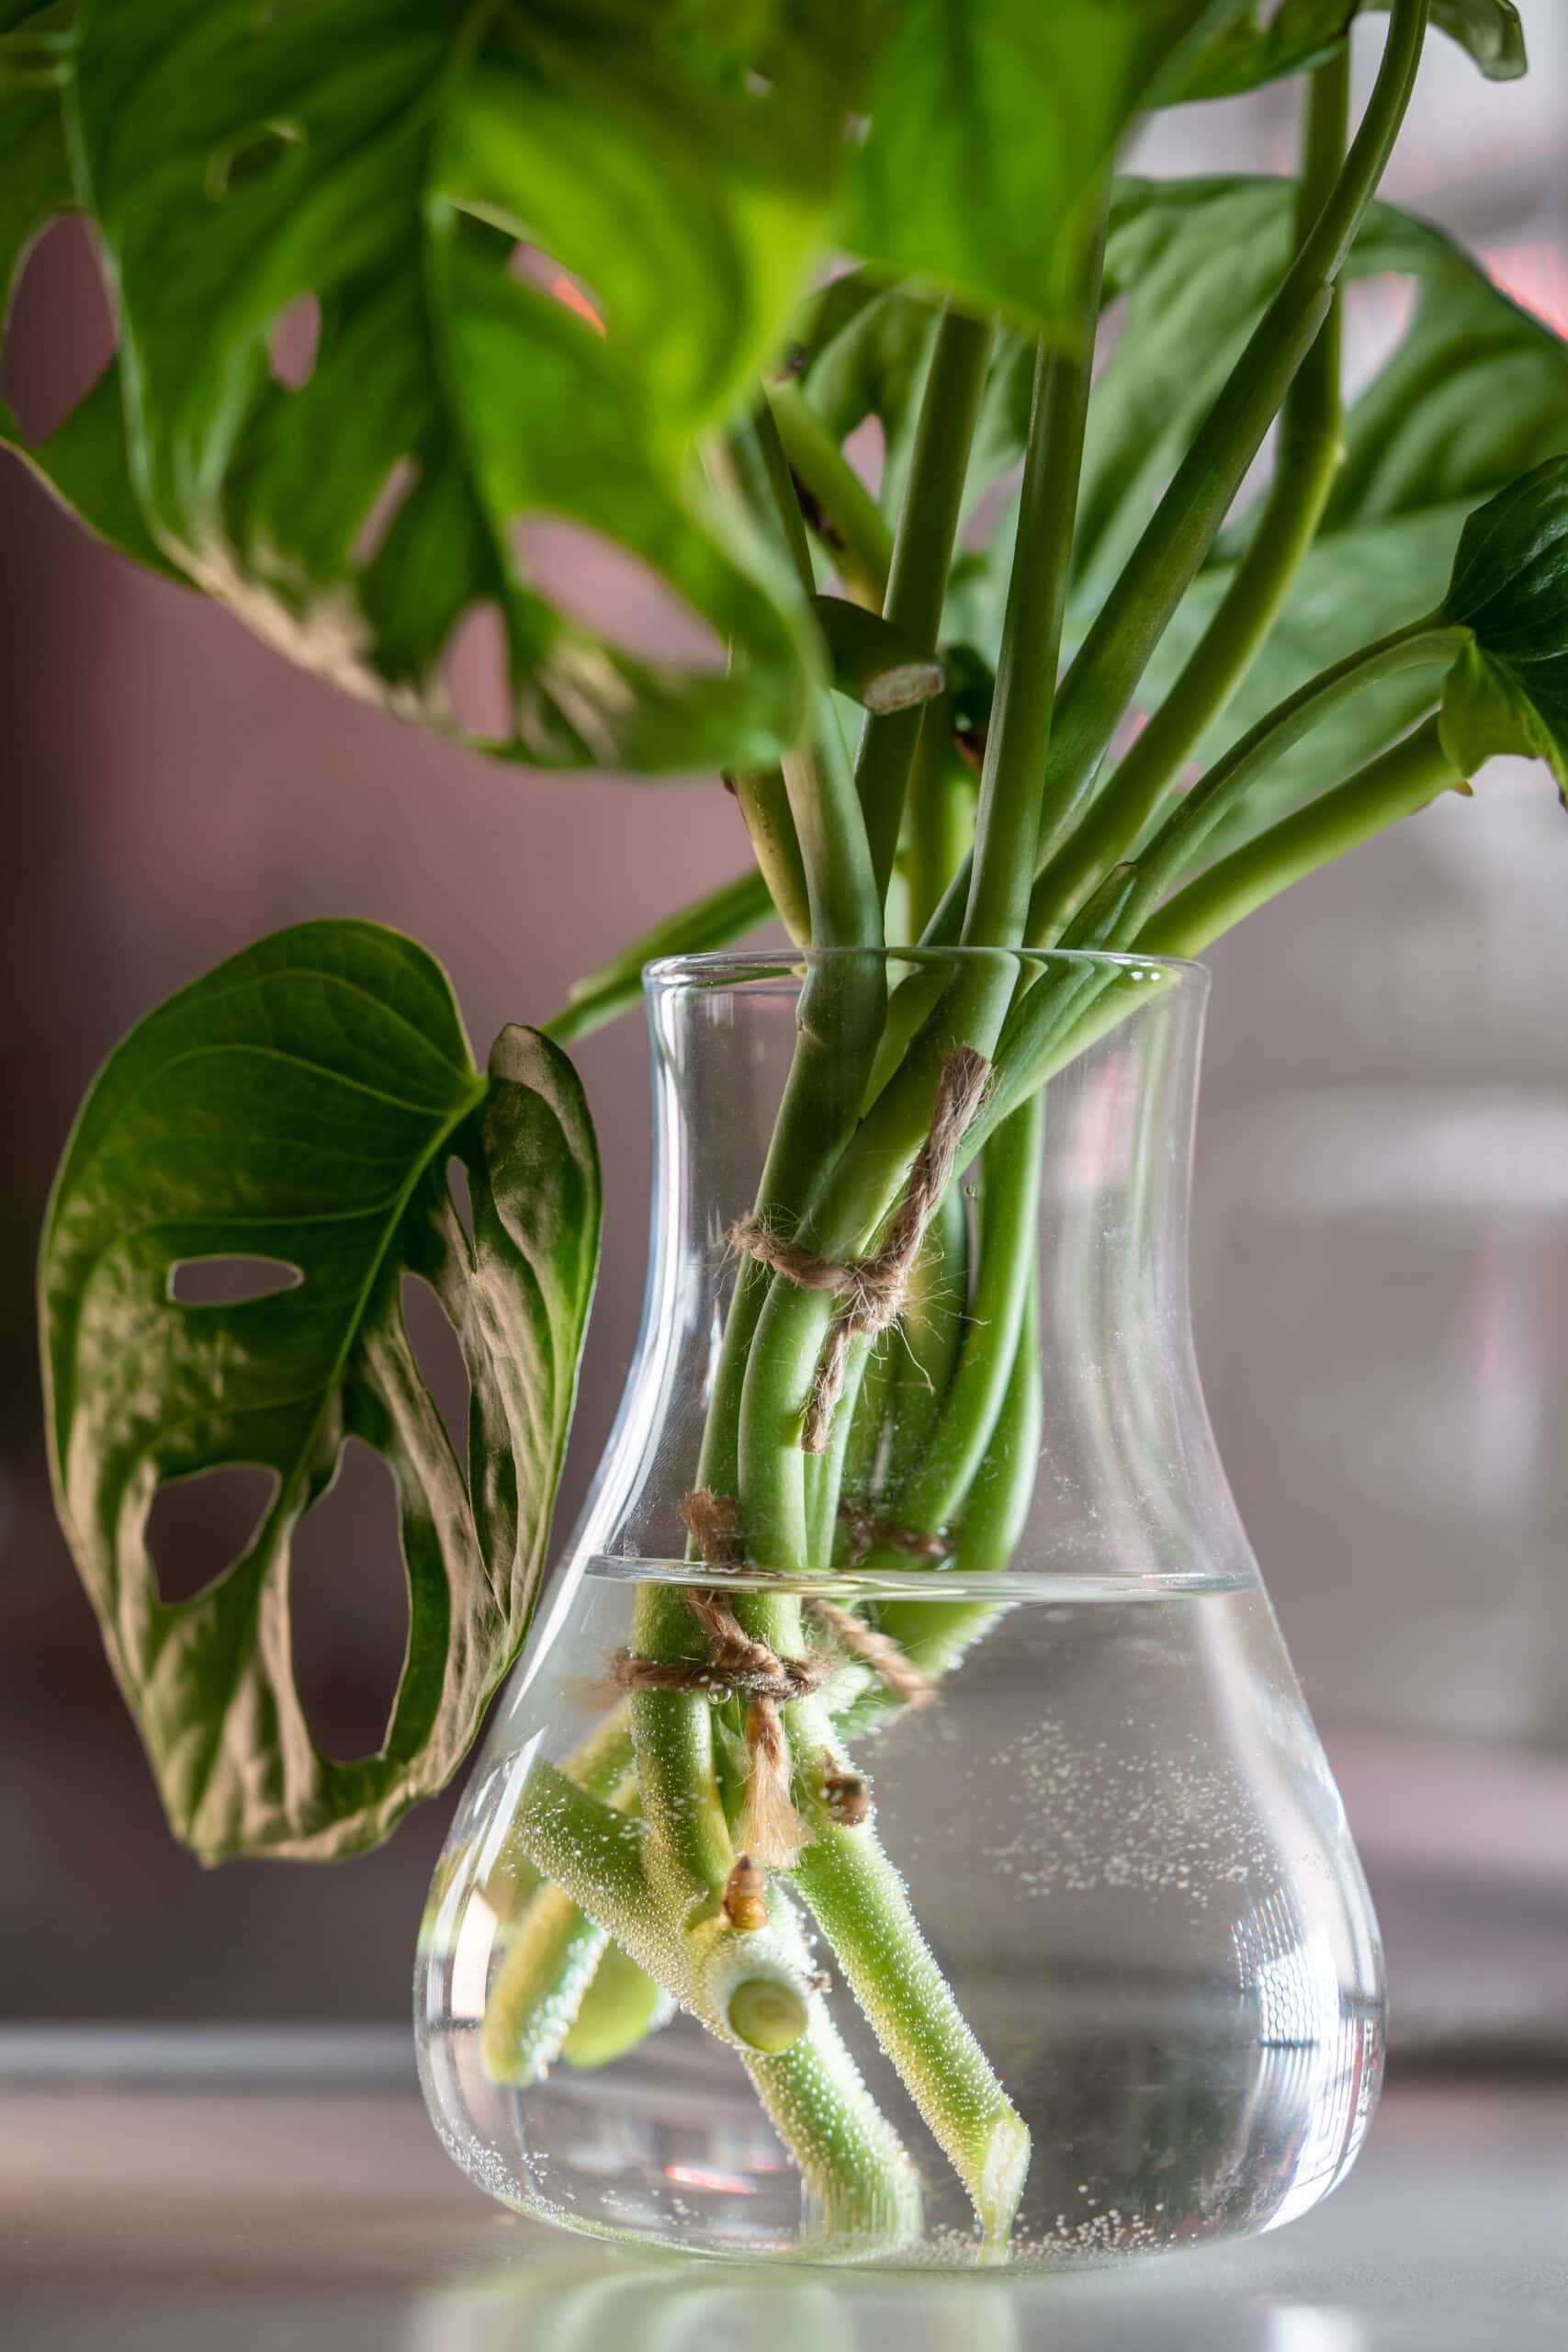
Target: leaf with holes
(85,461)
(437,185)
(991,123)
(1509,691)
(1269,42)
(300,1105)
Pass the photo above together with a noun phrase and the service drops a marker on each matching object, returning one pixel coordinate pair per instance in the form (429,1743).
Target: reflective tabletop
(252,2192)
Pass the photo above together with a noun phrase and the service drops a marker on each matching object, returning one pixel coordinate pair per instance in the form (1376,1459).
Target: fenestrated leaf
(1303,33)
(991,123)
(1509,691)
(85,461)
(387,158)
(300,1105)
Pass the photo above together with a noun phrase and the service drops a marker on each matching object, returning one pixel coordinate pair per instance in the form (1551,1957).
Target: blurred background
(1381,1252)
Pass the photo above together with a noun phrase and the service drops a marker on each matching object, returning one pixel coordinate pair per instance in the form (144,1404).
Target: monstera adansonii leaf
(1508,691)
(411,291)
(300,1105)
(85,461)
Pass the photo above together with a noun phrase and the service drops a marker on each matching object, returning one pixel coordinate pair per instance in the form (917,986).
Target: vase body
(1130,1919)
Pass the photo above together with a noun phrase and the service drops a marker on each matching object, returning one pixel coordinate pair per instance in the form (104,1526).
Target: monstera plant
(1049,672)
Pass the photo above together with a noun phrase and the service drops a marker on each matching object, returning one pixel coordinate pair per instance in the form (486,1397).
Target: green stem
(939,818)
(1311,450)
(595,1854)
(1135,617)
(677,1773)
(1054,1014)
(922,551)
(727,914)
(1104,676)
(868,1418)
(853,529)
(1401,783)
(1176,847)
(854,1196)
(1007,823)
(546,1970)
(602,1859)
(746,467)
(860,2182)
(842,890)
(763,803)
(760,477)
(620,2007)
(837,1018)
(936,1635)
(954,1447)
(930,1337)
(860,1904)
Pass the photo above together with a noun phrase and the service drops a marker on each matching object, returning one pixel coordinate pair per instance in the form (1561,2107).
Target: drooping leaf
(1509,691)
(396,164)
(991,124)
(1475,393)
(1267,43)
(300,1105)
(85,464)
(36,47)
(85,461)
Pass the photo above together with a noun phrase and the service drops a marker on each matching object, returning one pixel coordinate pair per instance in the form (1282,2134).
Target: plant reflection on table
(677,2304)
(670,2306)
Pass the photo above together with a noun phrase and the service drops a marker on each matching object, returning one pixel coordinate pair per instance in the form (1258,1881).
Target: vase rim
(757,967)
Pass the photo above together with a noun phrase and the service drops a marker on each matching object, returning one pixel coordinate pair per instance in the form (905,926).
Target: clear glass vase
(1073,1958)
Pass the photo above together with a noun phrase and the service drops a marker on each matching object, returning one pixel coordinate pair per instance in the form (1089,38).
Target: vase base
(1169,2136)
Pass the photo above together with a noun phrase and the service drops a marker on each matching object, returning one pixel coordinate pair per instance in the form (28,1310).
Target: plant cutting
(903,1839)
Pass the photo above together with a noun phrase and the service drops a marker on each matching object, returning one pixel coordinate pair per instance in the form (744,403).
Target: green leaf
(387,160)
(84,462)
(1475,394)
(1303,33)
(36,44)
(1509,691)
(991,124)
(300,1105)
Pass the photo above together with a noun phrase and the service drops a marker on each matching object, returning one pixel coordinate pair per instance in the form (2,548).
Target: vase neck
(1080,1199)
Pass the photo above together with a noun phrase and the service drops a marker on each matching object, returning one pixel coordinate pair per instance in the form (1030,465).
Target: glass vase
(968,1888)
